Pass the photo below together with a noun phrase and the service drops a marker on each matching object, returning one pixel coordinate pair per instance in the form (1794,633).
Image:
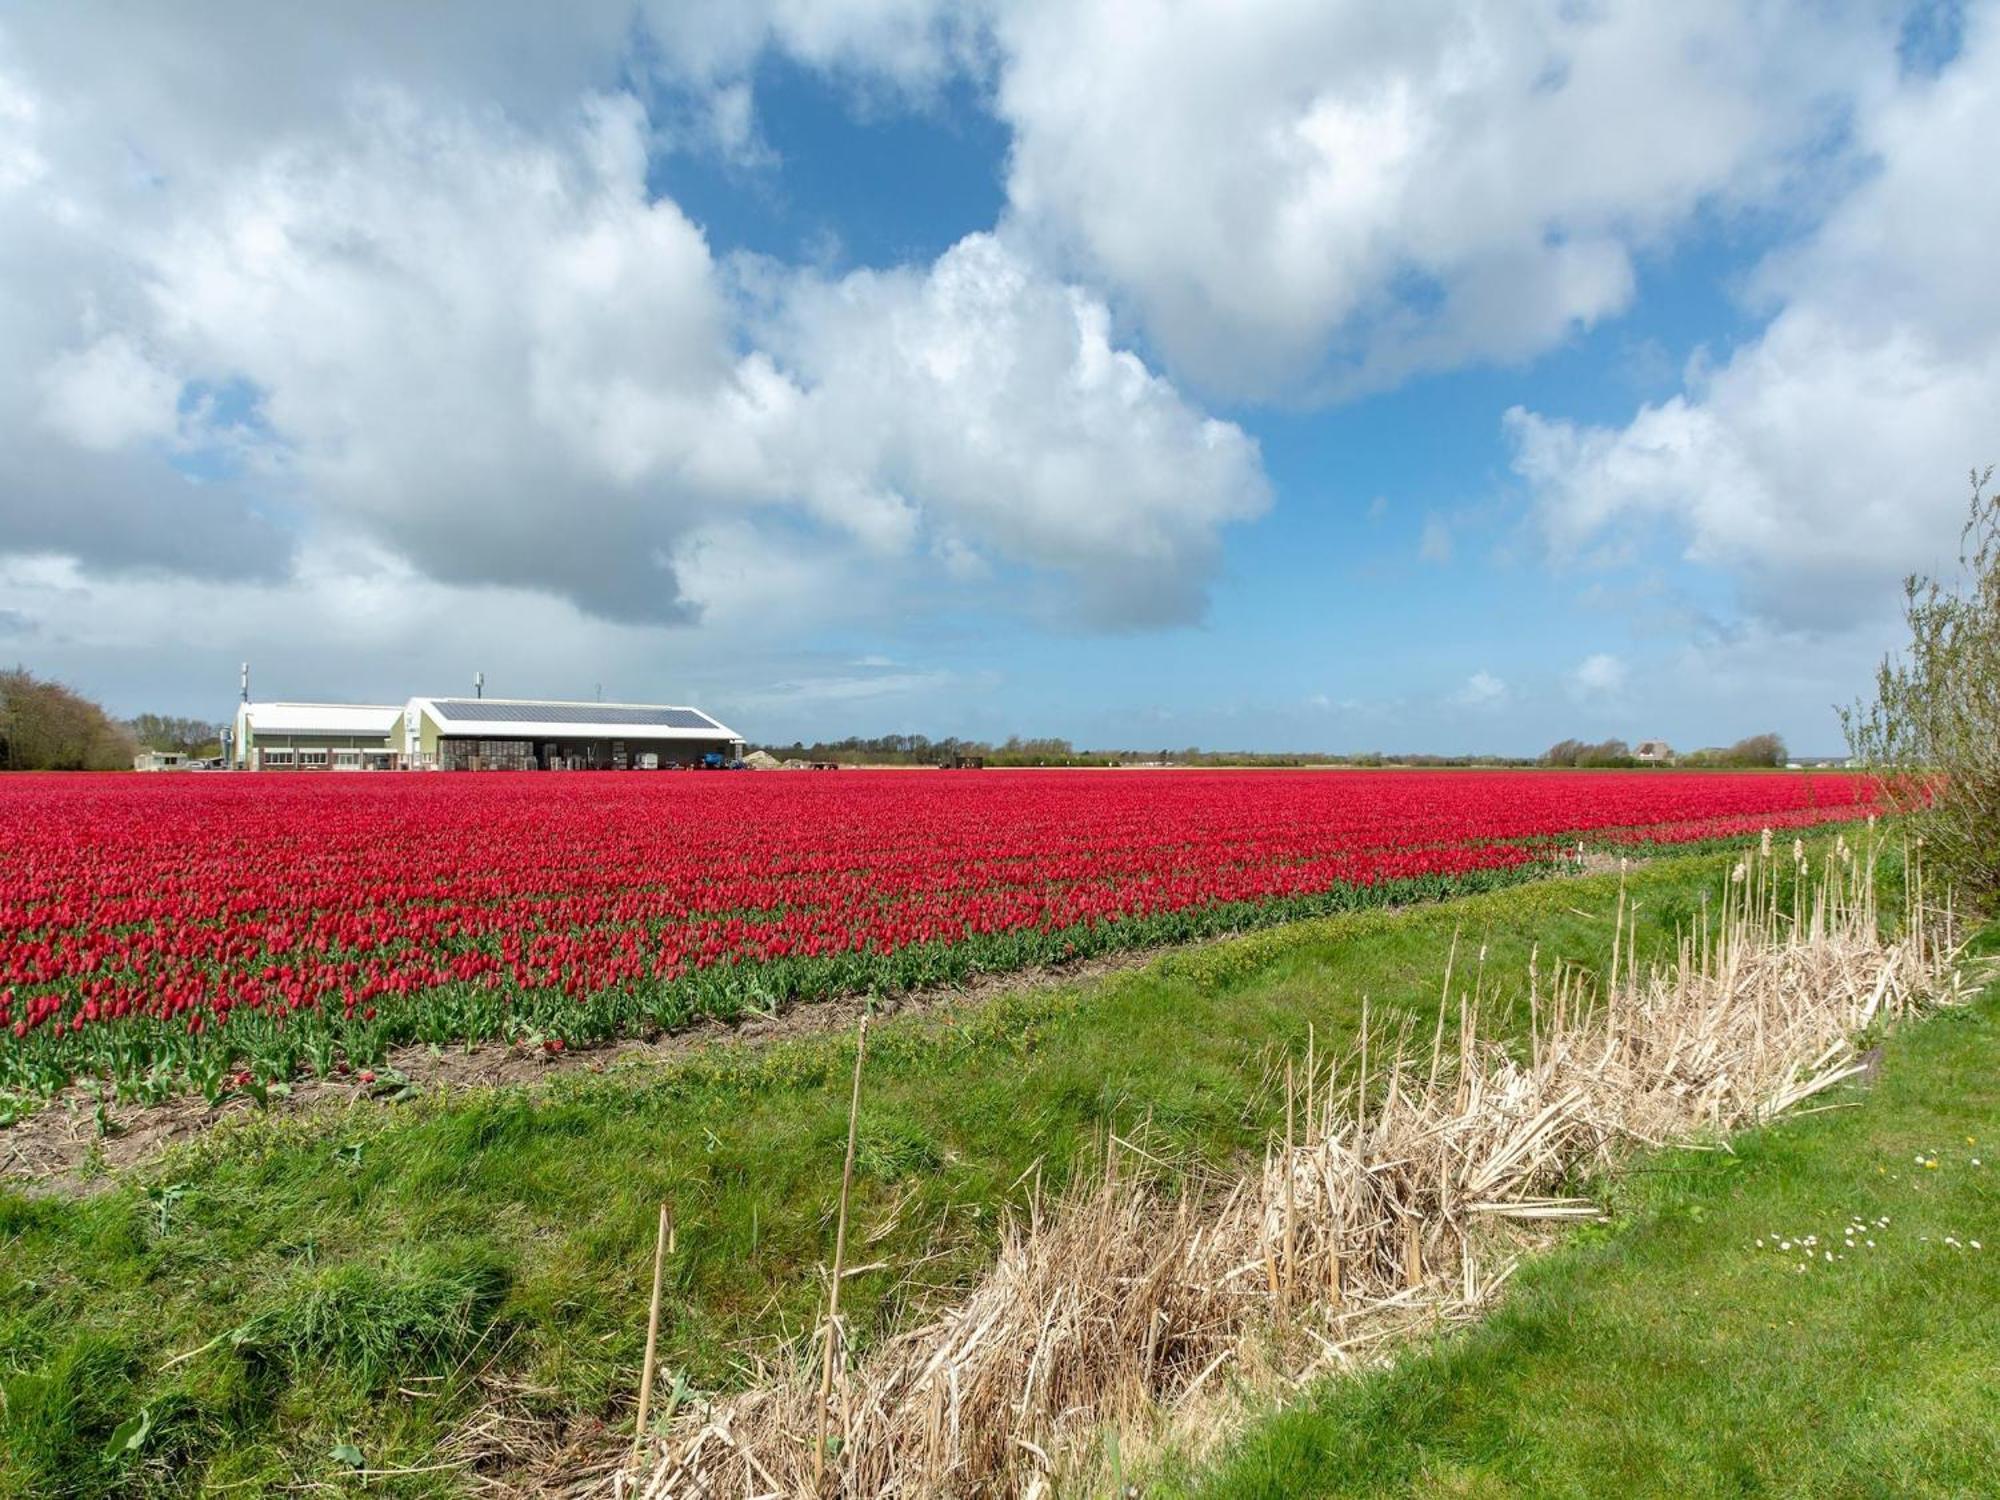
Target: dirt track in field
(60,1149)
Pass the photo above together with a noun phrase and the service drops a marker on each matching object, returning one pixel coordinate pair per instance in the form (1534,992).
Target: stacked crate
(486,755)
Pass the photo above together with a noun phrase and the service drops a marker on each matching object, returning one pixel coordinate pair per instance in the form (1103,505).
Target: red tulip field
(174,931)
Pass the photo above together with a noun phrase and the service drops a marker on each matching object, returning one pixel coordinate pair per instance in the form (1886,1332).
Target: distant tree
(1606,755)
(44,726)
(1932,730)
(187,736)
(1563,753)
(1759,750)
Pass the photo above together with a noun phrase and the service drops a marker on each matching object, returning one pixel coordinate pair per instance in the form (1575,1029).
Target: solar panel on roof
(489,712)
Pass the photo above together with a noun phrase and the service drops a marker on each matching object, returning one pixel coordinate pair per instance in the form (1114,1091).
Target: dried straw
(1403,1200)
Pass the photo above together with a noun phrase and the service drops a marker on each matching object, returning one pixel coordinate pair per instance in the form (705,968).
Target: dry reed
(1400,1198)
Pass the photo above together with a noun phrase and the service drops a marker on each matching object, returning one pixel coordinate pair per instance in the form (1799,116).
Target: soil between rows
(59,1149)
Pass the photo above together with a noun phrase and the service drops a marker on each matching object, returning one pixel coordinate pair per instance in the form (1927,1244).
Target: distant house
(1654,753)
(159,760)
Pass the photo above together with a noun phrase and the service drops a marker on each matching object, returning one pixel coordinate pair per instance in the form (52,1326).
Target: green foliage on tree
(1932,730)
(1746,754)
(1605,755)
(44,726)
(195,737)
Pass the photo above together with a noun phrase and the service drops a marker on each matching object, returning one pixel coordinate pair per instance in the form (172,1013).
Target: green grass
(1666,1354)
(327,1265)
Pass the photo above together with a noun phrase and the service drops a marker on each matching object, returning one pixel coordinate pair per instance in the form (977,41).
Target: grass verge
(358,1284)
(1698,1344)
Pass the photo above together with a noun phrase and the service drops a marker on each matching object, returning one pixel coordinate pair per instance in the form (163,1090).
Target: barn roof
(323,718)
(534,718)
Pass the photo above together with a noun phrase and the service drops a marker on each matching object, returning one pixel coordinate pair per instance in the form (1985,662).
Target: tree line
(47,726)
(1746,754)
(922,750)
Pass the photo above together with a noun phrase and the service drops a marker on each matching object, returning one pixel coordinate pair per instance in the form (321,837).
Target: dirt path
(60,1148)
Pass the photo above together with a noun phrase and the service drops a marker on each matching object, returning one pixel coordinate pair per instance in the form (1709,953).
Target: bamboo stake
(1336,1206)
(839,1257)
(1534,1009)
(1444,999)
(1336,1281)
(1361,1093)
(1312,1063)
(1291,1241)
(1618,926)
(663,1246)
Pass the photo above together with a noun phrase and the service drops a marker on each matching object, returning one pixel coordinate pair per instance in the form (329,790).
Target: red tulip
(225,905)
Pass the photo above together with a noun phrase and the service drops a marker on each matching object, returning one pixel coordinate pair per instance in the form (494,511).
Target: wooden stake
(1534,1009)
(663,1246)
(1291,1241)
(1617,929)
(1444,999)
(1336,1208)
(839,1258)
(1361,1090)
(1413,1255)
(1264,1234)
(1312,1065)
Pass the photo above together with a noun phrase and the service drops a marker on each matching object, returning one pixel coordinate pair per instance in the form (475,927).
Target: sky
(1269,374)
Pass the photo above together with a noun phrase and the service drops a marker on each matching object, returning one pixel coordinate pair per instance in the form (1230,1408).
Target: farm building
(160,760)
(317,737)
(503,734)
(1654,753)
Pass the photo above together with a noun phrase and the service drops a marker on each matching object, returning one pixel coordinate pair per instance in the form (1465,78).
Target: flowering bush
(167,930)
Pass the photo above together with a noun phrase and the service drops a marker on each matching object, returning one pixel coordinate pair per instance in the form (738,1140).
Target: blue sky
(1276,376)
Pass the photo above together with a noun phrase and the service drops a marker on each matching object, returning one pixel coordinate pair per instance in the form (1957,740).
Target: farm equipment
(962,763)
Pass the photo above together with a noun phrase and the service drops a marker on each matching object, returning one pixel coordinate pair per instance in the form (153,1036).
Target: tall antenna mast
(479,684)
(246,682)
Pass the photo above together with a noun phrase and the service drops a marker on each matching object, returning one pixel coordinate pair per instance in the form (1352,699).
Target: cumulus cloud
(1826,456)
(1434,546)
(1000,398)
(482,341)
(1481,690)
(1599,675)
(189,83)
(378,626)
(1289,190)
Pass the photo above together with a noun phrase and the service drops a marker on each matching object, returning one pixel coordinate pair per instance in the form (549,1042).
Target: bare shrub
(1932,729)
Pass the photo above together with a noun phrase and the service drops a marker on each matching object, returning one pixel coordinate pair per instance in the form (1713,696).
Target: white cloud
(192,82)
(1825,457)
(1481,690)
(997,399)
(108,394)
(1599,675)
(1434,546)
(840,688)
(21,160)
(495,351)
(353,620)
(1287,190)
